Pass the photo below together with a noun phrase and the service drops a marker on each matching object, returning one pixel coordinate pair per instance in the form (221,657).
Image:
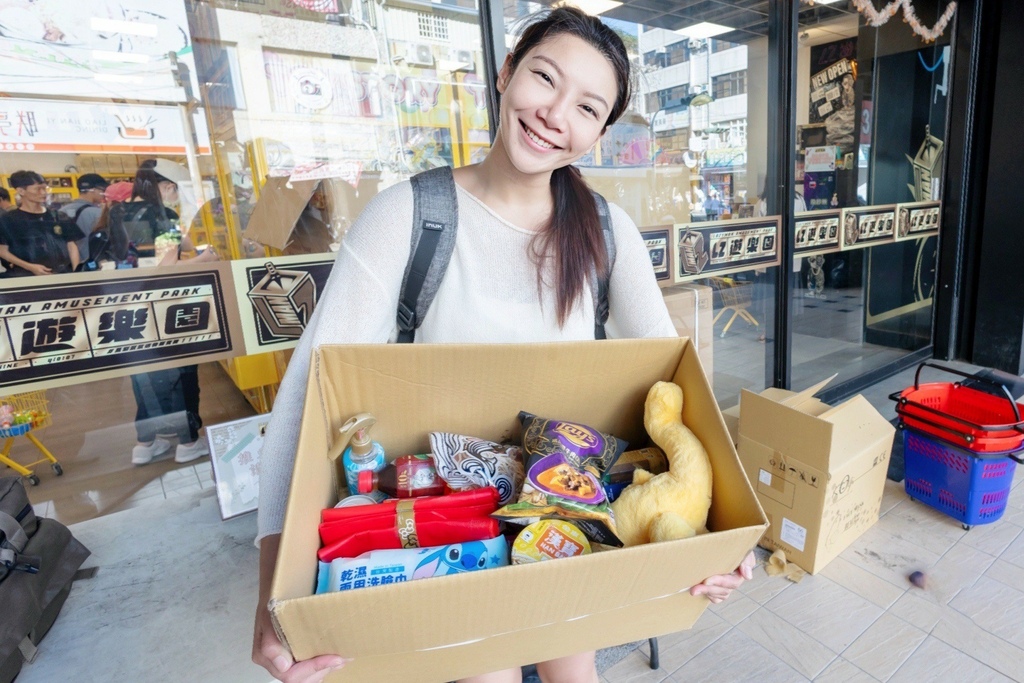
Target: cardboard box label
(764,477)
(793,534)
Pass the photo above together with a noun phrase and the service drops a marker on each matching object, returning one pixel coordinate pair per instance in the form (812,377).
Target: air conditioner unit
(464,58)
(419,54)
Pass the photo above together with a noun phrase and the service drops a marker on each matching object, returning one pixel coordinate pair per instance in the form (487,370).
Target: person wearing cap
(85,211)
(141,219)
(34,239)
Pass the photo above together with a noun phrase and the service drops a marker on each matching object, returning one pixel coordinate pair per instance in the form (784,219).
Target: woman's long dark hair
(147,184)
(572,240)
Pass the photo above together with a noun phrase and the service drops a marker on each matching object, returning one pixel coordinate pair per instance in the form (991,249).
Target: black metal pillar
(779,185)
(492,28)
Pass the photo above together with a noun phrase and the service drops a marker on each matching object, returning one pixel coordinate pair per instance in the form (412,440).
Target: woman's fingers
(717,588)
(313,670)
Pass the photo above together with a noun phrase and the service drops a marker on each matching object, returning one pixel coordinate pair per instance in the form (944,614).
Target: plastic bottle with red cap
(409,476)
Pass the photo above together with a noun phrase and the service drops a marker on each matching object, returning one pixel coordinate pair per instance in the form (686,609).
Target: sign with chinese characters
(659,247)
(277,297)
(722,247)
(867,226)
(113,323)
(917,219)
(84,127)
(235,455)
(817,232)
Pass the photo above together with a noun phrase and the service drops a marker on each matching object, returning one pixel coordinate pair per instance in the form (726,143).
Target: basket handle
(966,437)
(1006,392)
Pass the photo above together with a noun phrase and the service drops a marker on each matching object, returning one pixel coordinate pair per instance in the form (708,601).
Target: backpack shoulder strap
(435,218)
(79,210)
(600,285)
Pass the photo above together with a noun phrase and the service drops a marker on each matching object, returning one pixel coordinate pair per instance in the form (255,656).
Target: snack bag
(564,464)
(466,462)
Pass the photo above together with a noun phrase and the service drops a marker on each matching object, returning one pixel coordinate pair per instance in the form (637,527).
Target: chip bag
(564,464)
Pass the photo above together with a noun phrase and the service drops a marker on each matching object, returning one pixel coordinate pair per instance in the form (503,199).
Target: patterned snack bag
(466,463)
(564,464)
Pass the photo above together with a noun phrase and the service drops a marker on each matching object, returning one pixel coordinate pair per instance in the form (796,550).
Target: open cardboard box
(819,470)
(445,628)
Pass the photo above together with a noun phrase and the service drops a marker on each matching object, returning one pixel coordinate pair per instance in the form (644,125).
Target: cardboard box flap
(279,207)
(413,390)
(796,400)
(785,429)
(857,428)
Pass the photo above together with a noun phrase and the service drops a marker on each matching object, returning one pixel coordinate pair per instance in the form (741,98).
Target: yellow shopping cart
(736,297)
(22,415)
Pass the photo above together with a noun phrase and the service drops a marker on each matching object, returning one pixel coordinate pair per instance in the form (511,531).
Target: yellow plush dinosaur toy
(673,504)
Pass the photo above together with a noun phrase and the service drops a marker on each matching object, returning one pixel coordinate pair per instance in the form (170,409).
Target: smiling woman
(528,259)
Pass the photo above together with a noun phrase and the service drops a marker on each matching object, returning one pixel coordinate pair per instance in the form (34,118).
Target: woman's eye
(543,75)
(590,110)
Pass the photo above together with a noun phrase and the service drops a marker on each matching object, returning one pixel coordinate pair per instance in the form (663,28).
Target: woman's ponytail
(573,238)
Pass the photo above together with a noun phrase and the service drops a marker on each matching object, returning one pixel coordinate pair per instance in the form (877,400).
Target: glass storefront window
(871,112)
(263,129)
(688,161)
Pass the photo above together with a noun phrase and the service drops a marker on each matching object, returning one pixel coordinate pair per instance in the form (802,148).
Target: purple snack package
(564,464)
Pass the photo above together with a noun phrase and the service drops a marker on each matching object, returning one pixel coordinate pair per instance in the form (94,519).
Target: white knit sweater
(489,294)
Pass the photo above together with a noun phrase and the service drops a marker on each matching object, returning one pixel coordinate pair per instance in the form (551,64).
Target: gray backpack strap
(435,219)
(600,285)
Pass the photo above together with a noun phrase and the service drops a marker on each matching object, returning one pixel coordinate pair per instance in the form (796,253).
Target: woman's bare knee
(579,668)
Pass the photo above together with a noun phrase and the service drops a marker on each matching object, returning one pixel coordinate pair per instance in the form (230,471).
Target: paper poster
(235,455)
(917,219)
(723,247)
(277,296)
(833,70)
(867,226)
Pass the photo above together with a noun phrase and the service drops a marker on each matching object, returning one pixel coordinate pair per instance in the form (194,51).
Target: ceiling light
(825,2)
(110,56)
(703,30)
(591,7)
(135,28)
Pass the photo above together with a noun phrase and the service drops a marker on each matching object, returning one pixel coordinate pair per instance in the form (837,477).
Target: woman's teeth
(540,142)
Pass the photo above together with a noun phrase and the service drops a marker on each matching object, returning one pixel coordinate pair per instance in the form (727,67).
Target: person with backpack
(35,239)
(514,249)
(140,223)
(85,211)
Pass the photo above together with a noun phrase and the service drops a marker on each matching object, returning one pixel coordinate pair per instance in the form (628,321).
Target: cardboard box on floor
(819,471)
(690,307)
(445,628)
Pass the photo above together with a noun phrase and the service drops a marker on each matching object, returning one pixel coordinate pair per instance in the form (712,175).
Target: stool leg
(655,660)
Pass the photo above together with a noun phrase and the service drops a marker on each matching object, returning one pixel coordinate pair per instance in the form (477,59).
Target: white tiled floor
(861,620)
(858,620)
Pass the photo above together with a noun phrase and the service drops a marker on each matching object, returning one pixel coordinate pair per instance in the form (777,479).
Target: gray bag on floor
(36,583)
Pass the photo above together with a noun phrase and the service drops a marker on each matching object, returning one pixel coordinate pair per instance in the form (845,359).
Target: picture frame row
(690,251)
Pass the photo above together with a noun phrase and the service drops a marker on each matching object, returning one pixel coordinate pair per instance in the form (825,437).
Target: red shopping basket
(962,416)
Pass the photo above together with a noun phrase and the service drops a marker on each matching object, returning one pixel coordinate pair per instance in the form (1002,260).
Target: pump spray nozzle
(355,431)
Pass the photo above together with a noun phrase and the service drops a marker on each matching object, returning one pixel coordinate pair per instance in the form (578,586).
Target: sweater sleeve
(358,306)
(636,306)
